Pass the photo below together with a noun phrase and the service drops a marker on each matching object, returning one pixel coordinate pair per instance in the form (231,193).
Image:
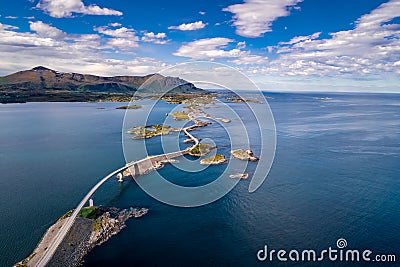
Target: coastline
(84,235)
(60,246)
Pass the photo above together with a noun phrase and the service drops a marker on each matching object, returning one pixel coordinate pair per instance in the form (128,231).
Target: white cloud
(253,18)
(84,53)
(45,30)
(8,27)
(65,8)
(11,17)
(202,13)
(115,24)
(299,39)
(122,38)
(122,43)
(122,32)
(241,45)
(209,48)
(371,48)
(151,37)
(11,41)
(249,59)
(189,26)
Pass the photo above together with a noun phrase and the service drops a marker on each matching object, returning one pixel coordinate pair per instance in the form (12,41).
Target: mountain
(44,84)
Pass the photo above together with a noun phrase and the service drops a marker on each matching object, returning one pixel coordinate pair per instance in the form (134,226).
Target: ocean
(336,174)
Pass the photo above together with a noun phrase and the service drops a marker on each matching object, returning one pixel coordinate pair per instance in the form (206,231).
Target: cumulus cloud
(209,48)
(8,27)
(248,59)
(122,43)
(65,8)
(241,45)
(11,17)
(84,53)
(158,38)
(299,39)
(46,30)
(371,48)
(189,26)
(253,18)
(115,24)
(121,32)
(122,37)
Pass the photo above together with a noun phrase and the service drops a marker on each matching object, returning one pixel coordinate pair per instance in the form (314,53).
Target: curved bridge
(136,168)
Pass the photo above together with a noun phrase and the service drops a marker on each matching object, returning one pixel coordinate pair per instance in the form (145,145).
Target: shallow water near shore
(335,175)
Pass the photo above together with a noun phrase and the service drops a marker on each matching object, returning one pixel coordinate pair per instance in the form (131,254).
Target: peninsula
(42,84)
(93,226)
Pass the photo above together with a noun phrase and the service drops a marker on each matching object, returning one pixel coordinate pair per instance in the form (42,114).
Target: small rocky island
(142,132)
(92,227)
(239,176)
(237,99)
(201,150)
(180,116)
(214,160)
(129,107)
(244,155)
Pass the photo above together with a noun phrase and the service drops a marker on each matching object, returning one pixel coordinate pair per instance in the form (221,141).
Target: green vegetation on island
(151,131)
(201,150)
(214,160)
(89,212)
(180,116)
(66,215)
(192,98)
(129,107)
(237,99)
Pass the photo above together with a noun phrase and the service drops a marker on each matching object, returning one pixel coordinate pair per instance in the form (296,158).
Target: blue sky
(282,45)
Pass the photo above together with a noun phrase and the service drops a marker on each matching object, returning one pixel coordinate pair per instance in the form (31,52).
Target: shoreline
(84,235)
(53,242)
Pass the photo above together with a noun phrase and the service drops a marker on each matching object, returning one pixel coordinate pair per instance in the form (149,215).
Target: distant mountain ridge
(44,84)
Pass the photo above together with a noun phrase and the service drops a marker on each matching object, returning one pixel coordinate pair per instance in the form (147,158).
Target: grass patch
(200,150)
(66,215)
(180,116)
(88,212)
(151,131)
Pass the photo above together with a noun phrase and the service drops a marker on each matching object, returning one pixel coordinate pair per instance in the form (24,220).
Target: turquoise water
(336,174)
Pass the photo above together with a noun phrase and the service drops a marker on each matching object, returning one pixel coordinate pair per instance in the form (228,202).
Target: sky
(281,45)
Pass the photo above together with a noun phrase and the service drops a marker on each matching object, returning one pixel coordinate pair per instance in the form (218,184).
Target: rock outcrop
(84,235)
(244,155)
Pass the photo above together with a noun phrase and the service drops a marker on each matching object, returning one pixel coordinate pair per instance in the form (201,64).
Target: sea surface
(336,174)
